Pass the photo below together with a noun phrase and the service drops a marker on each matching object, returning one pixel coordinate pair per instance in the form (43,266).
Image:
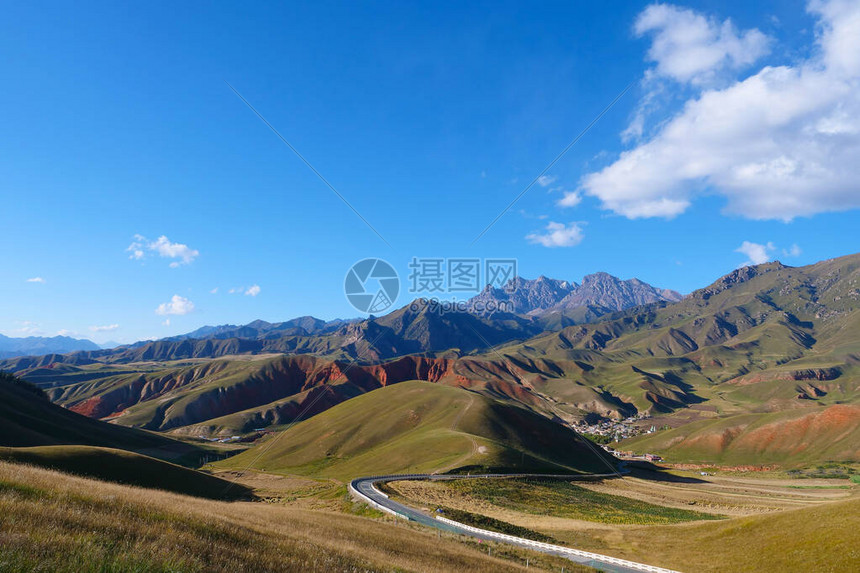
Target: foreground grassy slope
(53,522)
(420,427)
(125,467)
(822,538)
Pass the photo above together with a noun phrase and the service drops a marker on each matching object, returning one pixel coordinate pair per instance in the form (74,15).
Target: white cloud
(165,322)
(28,328)
(688,47)
(178,305)
(163,248)
(570,199)
(105,328)
(779,144)
(36,280)
(793,251)
(252,290)
(558,235)
(214,291)
(757,254)
(546,180)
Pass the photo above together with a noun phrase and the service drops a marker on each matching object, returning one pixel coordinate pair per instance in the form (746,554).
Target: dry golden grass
(821,538)
(728,495)
(800,530)
(54,522)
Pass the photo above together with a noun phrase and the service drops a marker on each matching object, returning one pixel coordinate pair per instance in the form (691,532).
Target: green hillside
(797,437)
(28,418)
(759,342)
(36,432)
(420,427)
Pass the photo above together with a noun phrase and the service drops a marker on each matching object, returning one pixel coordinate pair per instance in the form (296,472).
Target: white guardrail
(558,548)
(374,504)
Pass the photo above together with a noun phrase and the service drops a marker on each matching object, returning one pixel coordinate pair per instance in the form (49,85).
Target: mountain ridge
(544,295)
(30,345)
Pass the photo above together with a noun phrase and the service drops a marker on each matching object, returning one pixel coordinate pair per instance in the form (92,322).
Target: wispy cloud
(178,305)
(27,328)
(792,251)
(104,328)
(756,253)
(558,235)
(36,280)
(252,290)
(546,180)
(163,247)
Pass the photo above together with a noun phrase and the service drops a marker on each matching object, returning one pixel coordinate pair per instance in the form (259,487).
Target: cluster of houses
(617,430)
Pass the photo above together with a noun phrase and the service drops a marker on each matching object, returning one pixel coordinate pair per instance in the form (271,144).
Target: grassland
(492,524)
(54,522)
(821,538)
(774,527)
(419,427)
(560,498)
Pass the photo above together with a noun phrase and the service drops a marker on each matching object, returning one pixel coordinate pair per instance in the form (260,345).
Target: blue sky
(430,118)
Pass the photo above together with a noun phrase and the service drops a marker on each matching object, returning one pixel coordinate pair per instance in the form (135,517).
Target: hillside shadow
(651,472)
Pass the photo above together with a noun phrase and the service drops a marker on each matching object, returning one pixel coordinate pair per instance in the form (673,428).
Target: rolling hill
(416,427)
(36,432)
(28,418)
(803,435)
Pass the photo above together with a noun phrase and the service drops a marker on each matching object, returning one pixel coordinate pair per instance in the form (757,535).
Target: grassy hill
(420,427)
(35,431)
(797,437)
(28,418)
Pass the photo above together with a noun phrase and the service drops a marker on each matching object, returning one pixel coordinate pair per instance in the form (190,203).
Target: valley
(748,390)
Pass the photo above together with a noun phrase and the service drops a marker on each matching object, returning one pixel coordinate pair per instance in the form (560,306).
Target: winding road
(364,490)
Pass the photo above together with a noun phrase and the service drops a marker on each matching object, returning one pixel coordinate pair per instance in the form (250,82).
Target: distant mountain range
(539,305)
(302,326)
(599,291)
(36,345)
